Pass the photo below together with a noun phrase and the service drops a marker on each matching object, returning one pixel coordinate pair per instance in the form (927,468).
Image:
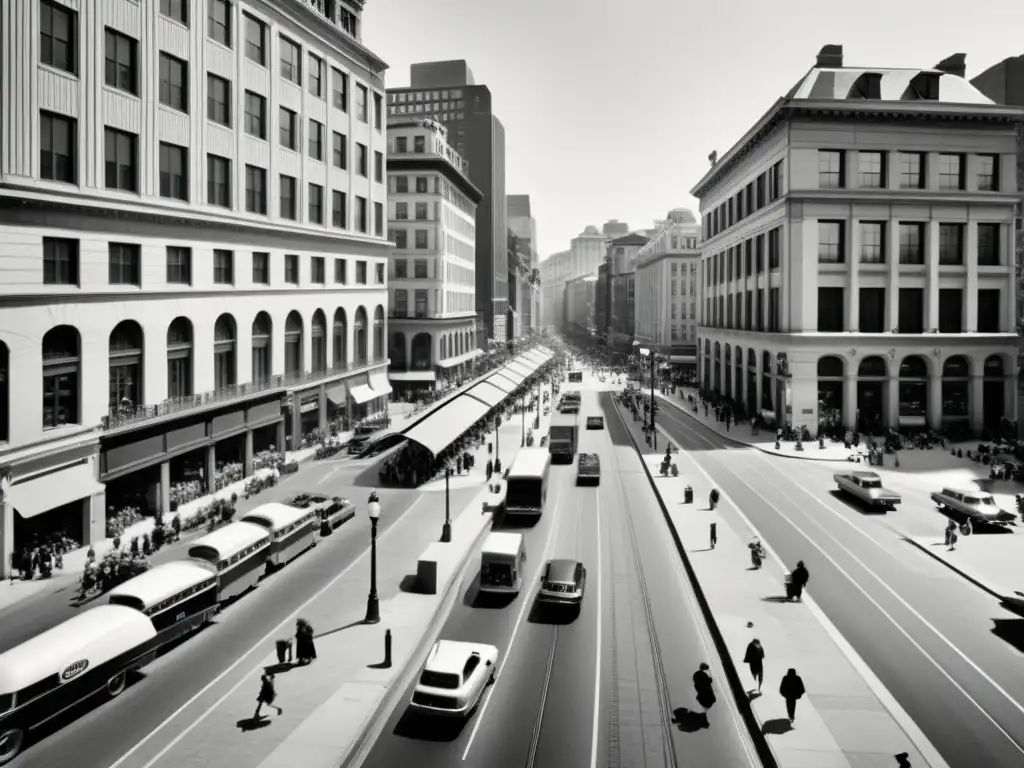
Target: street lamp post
(372,603)
(654,434)
(446,529)
(522,406)
(497,444)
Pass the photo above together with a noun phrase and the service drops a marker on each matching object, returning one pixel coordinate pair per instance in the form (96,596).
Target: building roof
(631,239)
(681,216)
(590,230)
(845,83)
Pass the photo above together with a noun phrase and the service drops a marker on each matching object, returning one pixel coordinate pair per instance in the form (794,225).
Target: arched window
(957,367)
(913,367)
(766,363)
(872,367)
(421,353)
(444,348)
(359,327)
(262,336)
(340,337)
(5,393)
(179,358)
(225,352)
(913,387)
(318,335)
(61,376)
(125,365)
(956,394)
(378,332)
(830,367)
(994,366)
(751,360)
(396,351)
(293,344)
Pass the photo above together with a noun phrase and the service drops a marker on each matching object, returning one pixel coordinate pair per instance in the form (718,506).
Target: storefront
(411,385)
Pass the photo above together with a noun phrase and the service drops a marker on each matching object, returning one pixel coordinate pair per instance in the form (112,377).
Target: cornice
(439,164)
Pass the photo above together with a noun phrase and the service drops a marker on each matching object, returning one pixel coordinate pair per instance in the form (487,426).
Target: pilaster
(853,265)
(976,402)
(850,400)
(931,291)
(934,411)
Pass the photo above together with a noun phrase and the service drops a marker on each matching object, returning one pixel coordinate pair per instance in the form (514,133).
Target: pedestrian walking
(305,648)
(267,695)
(800,577)
(754,658)
(713,499)
(950,527)
(792,690)
(714,535)
(704,685)
(490,469)
(953,538)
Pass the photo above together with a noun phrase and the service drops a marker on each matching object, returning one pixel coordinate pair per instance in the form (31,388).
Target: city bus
(239,552)
(292,530)
(178,597)
(528,482)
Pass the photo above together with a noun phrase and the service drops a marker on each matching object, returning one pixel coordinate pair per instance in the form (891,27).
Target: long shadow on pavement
(553,615)
(776,726)
(425,728)
(338,629)
(1010,631)
(688,721)
(856,505)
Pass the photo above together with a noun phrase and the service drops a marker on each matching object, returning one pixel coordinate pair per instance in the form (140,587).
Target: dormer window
(867,86)
(924,87)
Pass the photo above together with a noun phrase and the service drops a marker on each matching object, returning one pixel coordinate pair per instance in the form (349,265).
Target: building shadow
(776,726)
(1010,631)
(410,584)
(688,721)
(413,725)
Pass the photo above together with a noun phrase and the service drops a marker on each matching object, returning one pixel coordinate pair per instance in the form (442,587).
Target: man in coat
(791,689)
(800,577)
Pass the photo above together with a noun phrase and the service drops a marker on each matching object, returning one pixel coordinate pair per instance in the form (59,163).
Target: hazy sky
(611,109)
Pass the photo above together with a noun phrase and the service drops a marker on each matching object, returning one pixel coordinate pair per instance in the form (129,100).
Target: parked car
(588,467)
(595,422)
(333,510)
(563,582)
(454,678)
(867,487)
(977,505)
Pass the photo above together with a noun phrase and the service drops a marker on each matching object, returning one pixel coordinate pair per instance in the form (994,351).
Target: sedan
(563,582)
(595,422)
(454,678)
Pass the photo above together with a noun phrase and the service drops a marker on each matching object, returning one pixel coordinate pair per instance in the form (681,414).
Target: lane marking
(874,602)
(264,642)
(527,602)
(597,665)
(539,725)
(328,476)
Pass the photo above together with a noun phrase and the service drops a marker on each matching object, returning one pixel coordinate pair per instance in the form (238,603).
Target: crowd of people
(42,556)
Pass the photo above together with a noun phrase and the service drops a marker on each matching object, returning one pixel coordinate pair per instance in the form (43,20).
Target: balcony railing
(120,417)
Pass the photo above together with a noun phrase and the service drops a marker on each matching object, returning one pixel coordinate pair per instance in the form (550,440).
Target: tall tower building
(523,226)
(447,92)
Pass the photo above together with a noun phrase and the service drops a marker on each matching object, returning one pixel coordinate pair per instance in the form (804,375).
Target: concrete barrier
(426,568)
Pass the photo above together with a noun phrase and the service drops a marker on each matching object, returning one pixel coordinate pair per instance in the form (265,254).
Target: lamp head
(373,510)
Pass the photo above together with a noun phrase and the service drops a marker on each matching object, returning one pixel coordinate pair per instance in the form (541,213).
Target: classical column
(322,406)
(211,467)
(165,487)
(1010,398)
(935,401)
(931,290)
(976,402)
(758,386)
(892,290)
(853,263)
(247,466)
(296,422)
(891,404)
(281,437)
(6,535)
(850,401)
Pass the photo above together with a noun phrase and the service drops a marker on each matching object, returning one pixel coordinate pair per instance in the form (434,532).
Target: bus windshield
(524,492)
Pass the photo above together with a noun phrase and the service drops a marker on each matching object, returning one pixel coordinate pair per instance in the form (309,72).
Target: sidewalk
(330,707)
(847,719)
(991,561)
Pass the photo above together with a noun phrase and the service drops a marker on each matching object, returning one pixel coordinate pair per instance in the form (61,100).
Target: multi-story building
(554,271)
(432,276)
(858,254)
(192,246)
(588,249)
(621,256)
(447,92)
(666,291)
(614,228)
(602,299)
(523,226)
(581,305)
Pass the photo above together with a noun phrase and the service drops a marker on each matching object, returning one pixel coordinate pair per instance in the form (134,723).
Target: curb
(979,583)
(744,444)
(360,748)
(761,745)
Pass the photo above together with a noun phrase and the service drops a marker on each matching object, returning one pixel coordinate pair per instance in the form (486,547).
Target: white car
(454,678)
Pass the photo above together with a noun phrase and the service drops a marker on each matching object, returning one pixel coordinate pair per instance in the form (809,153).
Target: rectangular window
(988,173)
(988,245)
(951,244)
(401,211)
(316,76)
(339,213)
(255,189)
(218,21)
(422,240)
(58,145)
(401,145)
(421,212)
(340,271)
(774,310)
(291,61)
(223,267)
(173,171)
(316,204)
(831,167)
(255,40)
(173,83)
(420,268)
(872,170)
(378,219)
(60,261)
(378,167)
(400,237)
(912,243)
(288,129)
(218,100)
(121,69)
(378,112)
(872,242)
(361,160)
(339,150)
(378,274)
(291,268)
(361,215)
(317,271)
(179,265)
(339,86)
(990,309)
(421,184)
(911,170)
(255,115)
(401,303)
(218,181)
(420,297)
(123,264)
(58,36)
(830,310)
(401,265)
(289,198)
(911,310)
(830,242)
(419,144)
(872,310)
(360,273)
(175,9)
(774,251)
(951,172)
(261,268)
(361,95)
(120,160)
(951,310)
(316,140)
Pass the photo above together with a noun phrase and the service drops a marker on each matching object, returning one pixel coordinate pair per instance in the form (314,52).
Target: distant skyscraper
(446,91)
(524,227)
(614,228)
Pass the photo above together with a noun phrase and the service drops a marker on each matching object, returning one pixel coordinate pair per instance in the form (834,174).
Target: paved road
(592,689)
(96,735)
(948,652)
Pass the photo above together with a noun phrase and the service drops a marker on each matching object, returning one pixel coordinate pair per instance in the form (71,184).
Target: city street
(593,689)
(948,651)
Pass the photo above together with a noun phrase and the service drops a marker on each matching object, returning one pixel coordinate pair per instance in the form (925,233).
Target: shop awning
(54,489)
(379,384)
(486,392)
(413,376)
(338,394)
(511,375)
(682,359)
(501,381)
(522,368)
(363,394)
(445,425)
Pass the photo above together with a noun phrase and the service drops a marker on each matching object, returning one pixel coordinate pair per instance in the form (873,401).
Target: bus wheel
(11,740)
(116,685)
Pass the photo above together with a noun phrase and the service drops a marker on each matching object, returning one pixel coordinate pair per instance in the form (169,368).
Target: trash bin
(688,495)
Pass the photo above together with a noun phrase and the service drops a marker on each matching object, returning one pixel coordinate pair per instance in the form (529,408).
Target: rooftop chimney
(830,56)
(955,65)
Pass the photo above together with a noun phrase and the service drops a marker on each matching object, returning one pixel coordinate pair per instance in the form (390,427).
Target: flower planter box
(289,467)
